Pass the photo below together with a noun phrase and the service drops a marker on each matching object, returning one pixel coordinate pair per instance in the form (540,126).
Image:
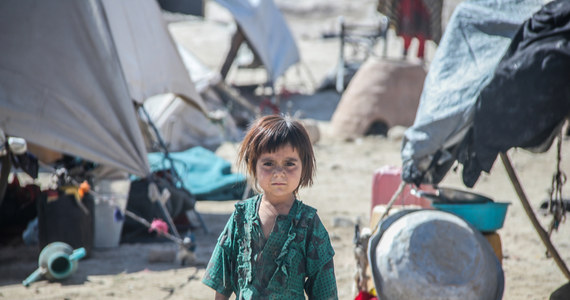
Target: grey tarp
(267,31)
(70,70)
(477,35)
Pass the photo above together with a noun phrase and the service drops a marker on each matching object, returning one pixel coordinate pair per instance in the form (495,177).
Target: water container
(57,261)
(110,202)
(385,183)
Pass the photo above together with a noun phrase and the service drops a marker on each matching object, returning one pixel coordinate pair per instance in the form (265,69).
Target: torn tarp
(476,37)
(528,99)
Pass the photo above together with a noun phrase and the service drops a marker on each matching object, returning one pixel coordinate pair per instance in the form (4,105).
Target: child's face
(279,173)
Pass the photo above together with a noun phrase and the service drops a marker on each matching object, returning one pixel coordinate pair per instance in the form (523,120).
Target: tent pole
(528,209)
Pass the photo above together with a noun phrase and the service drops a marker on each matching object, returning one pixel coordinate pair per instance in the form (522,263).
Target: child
(274,246)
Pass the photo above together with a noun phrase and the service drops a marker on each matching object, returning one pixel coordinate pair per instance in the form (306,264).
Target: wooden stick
(144,222)
(528,209)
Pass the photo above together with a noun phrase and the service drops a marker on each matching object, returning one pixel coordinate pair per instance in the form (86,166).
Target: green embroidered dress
(297,257)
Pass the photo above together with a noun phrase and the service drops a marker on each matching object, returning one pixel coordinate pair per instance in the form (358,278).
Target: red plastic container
(385,184)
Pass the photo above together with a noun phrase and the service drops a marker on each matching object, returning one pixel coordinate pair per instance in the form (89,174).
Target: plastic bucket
(111,195)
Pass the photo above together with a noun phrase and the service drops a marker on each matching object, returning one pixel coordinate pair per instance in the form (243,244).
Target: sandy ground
(342,190)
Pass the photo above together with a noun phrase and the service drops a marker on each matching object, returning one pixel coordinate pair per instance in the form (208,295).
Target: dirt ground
(341,193)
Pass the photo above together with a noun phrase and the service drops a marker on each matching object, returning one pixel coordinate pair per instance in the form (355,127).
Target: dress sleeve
(321,281)
(218,274)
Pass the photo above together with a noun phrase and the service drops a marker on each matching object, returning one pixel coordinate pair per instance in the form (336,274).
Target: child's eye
(267,164)
(290,164)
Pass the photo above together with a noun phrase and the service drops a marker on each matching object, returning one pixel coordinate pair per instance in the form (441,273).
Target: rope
(394,197)
(163,146)
(555,203)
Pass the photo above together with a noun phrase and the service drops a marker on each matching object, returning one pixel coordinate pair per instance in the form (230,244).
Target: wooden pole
(528,209)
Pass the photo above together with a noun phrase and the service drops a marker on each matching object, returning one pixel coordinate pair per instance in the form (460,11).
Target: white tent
(181,125)
(70,71)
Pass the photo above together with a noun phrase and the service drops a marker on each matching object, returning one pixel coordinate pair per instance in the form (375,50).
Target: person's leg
(407,41)
(421,47)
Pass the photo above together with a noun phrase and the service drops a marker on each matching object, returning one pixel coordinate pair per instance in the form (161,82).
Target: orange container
(385,183)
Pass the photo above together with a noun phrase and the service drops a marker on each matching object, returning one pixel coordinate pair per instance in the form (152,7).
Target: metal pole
(528,209)
(341,64)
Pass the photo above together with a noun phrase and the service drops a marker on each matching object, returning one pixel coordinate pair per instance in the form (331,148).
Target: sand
(341,193)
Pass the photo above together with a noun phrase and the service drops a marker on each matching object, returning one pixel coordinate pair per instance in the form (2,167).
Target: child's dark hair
(269,133)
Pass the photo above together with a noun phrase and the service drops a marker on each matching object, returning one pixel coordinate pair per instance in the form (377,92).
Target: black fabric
(17,208)
(529,96)
(61,219)
(194,7)
(28,163)
(139,203)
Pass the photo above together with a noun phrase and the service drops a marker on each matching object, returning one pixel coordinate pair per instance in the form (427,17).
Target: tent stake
(524,200)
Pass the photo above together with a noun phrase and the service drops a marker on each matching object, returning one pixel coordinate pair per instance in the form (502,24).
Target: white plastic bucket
(110,196)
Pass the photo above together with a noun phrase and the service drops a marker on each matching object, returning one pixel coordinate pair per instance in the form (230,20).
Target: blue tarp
(206,175)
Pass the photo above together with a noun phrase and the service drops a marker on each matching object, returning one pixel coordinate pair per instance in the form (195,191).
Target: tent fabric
(70,71)
(202,76)
(148,55)
(182,126)
(530,86)
(477,35)
(62,84)
(267,31)
(206,175)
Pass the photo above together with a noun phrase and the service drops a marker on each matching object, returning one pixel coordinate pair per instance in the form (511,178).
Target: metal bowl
(450,195)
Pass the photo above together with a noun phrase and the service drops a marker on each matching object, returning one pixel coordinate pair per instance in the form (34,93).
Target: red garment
(414,21)
(362,295)
(421,47)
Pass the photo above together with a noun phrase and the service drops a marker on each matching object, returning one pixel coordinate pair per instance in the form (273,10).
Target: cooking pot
(432,254)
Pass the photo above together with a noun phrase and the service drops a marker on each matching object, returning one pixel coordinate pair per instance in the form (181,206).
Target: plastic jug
(57,261)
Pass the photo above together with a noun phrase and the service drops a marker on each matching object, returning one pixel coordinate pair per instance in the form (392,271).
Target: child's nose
(278,170)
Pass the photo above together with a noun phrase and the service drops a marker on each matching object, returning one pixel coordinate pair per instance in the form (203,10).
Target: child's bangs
(272,142)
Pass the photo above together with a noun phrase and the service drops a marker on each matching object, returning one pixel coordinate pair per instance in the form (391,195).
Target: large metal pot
(432,254)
